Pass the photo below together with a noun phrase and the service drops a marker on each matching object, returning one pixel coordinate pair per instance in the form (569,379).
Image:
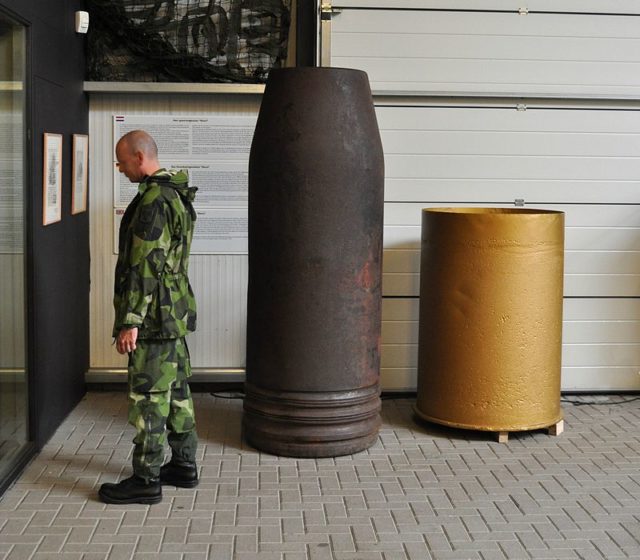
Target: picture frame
(80,171)
(52,179)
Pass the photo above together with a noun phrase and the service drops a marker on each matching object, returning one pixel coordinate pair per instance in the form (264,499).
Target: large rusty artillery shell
(491,285)
(316,180)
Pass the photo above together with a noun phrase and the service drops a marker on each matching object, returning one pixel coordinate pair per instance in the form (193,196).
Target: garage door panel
(601,263)
(479,148)
(586,321)
(601,342)
(400,284)
(611,285)
(402,237)
(601,355)
(602,310)
(398,379)
(552,168)
(623,239)
(530,144)
(602,260)
(559,121)
(539,155)
(493,71)
(406,284)
(400,309)
(576,215)
(415,47)
(399,332)
(399,355)
(603,239)
(565,6)
(489,52)
(580,315)
(607,378)
(579,379)
(458,191)
(510,24)
(575,262)
(401,260)
(496,76)
(625,332)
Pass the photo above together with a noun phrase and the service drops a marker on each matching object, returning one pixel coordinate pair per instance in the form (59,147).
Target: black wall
(306,14)
(58,254)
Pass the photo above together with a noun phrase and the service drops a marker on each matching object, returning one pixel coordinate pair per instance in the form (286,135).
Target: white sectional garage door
(491,107)
(412,51)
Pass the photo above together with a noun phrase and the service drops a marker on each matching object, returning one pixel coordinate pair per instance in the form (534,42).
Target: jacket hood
(179,181)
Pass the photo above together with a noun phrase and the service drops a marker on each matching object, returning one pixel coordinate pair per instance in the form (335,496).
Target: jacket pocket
(173,304)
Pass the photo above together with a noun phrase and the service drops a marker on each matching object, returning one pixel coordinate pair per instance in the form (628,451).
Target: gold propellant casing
(490,342)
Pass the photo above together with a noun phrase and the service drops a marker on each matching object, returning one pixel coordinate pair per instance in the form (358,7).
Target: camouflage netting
(186,40)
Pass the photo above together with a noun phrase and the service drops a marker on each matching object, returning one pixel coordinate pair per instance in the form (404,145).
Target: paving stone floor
(422,492)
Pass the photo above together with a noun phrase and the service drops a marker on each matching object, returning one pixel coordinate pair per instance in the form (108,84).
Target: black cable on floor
(597,403)
(228,395)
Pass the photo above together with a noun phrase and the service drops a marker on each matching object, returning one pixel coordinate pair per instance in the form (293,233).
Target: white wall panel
(399,355)
(589,6)
(576,215)
(490,53)
(601,343)
(608,266)
(584,162)
(459,154)
(463,190)
(556,159)
(398,379)
(580,157)
(399,238)
(219,281)
(399,328)
(400,284)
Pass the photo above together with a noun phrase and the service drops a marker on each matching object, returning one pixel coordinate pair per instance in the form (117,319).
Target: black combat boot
(179,473)
(132,490)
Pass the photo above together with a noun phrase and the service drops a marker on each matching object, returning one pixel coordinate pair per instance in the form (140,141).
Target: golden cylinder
(490,342)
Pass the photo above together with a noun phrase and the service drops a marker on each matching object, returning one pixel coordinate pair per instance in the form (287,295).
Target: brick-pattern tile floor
(422,492)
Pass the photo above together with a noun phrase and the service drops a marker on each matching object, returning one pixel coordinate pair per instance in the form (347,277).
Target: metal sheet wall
(564,6)
(443,73)
(601,344)
(490,52)
(581,159)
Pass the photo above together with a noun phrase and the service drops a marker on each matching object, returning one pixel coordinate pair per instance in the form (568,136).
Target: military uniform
(152,292)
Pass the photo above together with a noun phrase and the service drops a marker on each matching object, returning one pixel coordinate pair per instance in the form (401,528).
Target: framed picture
(52,179)
(80,173)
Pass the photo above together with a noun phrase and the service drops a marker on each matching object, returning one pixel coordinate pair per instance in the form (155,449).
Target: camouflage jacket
(152,289)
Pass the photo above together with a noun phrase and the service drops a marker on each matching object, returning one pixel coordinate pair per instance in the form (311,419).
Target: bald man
(154,310)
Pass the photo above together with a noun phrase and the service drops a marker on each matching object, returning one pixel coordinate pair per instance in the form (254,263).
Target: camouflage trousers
(160,404)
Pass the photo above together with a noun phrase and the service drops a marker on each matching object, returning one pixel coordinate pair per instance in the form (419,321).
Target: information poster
(215,152)
(52,179)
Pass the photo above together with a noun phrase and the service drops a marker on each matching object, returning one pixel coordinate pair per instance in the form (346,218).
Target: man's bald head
(137,155)
(140,141)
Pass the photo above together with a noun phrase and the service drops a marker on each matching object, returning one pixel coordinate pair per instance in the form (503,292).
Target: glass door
(13,382)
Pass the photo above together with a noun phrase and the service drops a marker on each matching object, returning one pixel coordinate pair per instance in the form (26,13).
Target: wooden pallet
(554,430)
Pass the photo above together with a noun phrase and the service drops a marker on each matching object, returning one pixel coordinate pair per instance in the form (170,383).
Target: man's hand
(126,341)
